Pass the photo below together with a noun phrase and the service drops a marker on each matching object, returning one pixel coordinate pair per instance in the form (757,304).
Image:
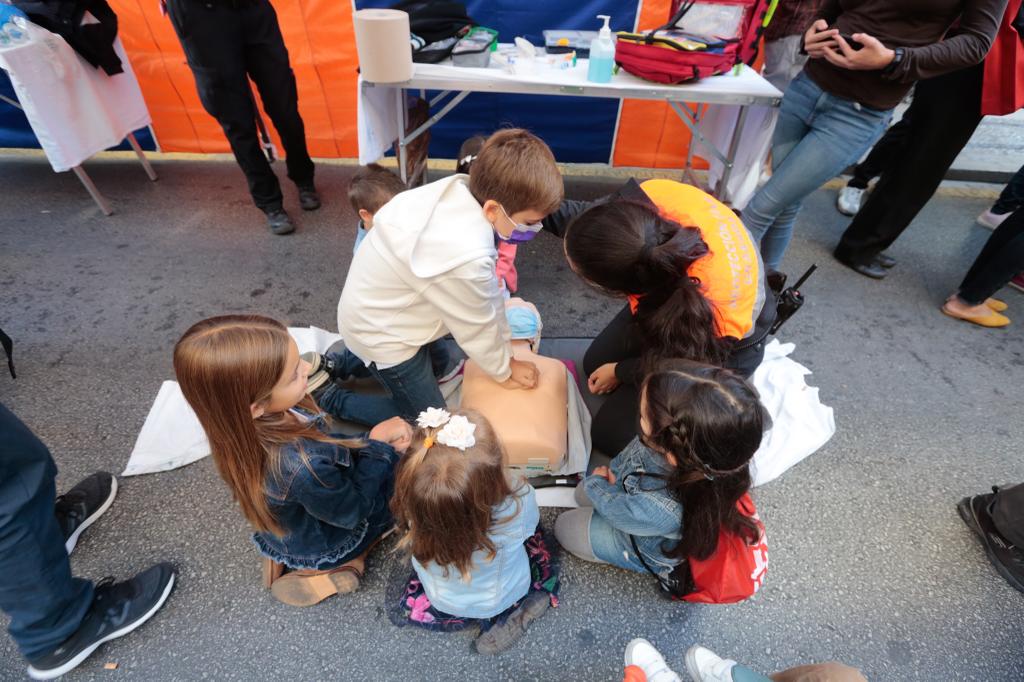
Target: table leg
(402,111)
(142,157)
(730,161)
(93,192)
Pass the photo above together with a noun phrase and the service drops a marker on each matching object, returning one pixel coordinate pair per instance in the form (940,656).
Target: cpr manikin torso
(532,424)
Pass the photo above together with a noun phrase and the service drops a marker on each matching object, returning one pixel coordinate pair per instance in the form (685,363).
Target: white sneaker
(643,655)
(990,220)
(849,200)
(705,666)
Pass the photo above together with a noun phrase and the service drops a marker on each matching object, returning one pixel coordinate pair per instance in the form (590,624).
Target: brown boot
(308,587)
(271,571)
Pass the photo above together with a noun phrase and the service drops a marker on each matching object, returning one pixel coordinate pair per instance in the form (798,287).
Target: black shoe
(78,508)
(1008,560)
(117,609)
(309,200)
(279,221)
(886,261)
(872,268)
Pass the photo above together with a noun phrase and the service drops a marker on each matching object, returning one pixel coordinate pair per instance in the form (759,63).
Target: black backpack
(440,23)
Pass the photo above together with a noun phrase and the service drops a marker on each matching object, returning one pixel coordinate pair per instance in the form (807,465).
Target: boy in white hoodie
(428,269)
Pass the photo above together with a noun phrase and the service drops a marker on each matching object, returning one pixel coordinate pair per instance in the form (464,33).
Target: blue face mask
(520,233)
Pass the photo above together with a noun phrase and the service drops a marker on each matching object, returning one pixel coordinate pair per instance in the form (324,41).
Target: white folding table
(75,110)
(382,116)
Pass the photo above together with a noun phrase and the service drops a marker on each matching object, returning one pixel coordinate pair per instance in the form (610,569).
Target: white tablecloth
(75,110)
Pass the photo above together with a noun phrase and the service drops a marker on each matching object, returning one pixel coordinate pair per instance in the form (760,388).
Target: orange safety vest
(731,275)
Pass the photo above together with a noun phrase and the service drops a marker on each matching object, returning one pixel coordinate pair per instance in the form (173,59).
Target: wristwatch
(898,53)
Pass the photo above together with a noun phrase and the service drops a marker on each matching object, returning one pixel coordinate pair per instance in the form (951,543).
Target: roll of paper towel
(382,42)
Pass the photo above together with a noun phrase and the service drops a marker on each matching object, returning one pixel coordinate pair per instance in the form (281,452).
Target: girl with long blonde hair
(317,500)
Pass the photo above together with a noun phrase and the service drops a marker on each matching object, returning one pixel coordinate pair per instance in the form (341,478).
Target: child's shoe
(642,654)
(322,371)
(501,637)
(309,587)
(705,666)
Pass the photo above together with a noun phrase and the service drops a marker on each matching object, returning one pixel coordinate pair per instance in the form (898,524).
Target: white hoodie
(424,270)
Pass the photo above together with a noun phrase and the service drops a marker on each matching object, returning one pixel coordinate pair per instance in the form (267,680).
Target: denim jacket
(638,505)
(327,508)
(496,584)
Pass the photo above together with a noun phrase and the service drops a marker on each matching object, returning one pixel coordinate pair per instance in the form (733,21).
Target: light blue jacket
(496,584)
(639,505)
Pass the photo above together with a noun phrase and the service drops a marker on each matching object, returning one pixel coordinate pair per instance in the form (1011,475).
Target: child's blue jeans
(344,403)
(413,383)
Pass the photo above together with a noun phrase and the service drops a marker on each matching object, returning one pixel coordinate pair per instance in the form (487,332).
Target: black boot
(279,222)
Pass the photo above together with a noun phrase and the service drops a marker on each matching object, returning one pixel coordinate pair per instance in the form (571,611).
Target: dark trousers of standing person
(1012,196)
(45,603)
(1000,259)
(617,421)
(882,155)
(227,42)
(944,114)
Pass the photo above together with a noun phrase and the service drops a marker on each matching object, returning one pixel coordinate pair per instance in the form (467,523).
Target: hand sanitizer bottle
(602,54)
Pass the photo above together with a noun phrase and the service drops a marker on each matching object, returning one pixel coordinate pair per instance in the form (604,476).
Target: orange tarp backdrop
(322,51)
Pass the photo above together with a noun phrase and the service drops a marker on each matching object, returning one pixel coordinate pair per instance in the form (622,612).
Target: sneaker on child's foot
(78,508)
(705,666)
(1017,281)
(990,220)
(849,200)
(117,609)
(643,655)
(501,637)
(321,371)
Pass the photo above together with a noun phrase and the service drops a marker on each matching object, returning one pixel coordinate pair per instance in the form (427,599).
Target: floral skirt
(408,603)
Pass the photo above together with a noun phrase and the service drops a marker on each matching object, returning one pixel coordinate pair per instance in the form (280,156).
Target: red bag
(734,572)
(702,38)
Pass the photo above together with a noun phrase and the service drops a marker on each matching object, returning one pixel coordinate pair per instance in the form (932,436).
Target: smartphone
(854,45)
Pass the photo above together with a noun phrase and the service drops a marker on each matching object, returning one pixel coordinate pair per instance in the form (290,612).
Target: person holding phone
(842,101)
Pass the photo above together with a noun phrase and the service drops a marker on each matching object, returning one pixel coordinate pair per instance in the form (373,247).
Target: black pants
(1000,259)
(227,42)
(617,422)
(1012,196)
(1008,513)
(883,155)
(944,114)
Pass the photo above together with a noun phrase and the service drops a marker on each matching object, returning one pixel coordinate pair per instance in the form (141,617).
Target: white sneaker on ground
(705,666)
(643,655)
(990,220)
(849,200)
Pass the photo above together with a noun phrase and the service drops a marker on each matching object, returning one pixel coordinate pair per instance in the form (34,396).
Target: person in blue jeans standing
(58,620)
(864,57)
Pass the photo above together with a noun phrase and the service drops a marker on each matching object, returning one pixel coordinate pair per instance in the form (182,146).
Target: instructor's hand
(603,379)
(524,375)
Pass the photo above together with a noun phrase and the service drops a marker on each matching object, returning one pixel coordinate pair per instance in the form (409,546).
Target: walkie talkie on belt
(790,301)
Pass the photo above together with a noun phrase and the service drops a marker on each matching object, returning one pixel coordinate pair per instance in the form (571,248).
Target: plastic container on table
(563,42)
(474,49)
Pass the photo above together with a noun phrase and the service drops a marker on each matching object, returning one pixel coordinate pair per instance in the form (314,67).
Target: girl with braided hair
(471,530)
(668,496)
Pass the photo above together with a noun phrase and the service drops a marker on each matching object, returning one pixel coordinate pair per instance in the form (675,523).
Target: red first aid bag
(702,38)
(734,572)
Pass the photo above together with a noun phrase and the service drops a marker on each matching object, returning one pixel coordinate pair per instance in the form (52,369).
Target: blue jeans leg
(45,604)
(412,384)
(817,136)
(362,408)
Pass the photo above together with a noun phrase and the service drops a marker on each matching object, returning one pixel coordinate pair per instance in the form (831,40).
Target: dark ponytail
(711,421)
(626,248)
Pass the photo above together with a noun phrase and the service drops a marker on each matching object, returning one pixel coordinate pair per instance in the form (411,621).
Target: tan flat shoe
(306,588)
(991,319)
(271,571)
(996,305)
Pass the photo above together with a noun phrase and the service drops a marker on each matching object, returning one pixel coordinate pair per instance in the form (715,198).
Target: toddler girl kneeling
(472,533)
(317,499)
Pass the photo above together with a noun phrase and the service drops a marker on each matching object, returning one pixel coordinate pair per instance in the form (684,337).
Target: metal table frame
(455,90)
(90,187)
